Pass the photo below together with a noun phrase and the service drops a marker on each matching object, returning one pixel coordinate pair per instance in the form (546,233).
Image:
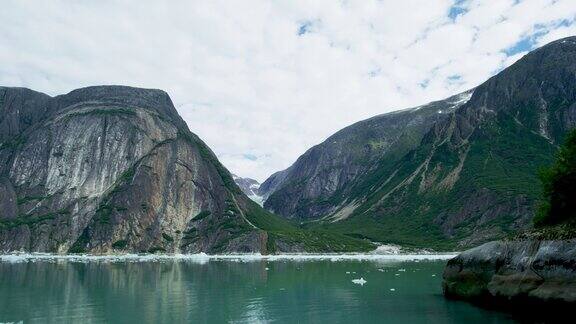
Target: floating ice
(203,257)
(387,249)
(360,281)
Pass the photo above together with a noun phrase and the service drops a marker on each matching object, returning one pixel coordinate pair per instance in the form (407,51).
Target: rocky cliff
(452,174)
(114,168)
(515,274)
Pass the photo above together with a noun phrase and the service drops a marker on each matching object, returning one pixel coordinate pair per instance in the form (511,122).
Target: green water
(180,291)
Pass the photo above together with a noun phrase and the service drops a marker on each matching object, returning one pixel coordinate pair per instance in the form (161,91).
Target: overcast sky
(262,81)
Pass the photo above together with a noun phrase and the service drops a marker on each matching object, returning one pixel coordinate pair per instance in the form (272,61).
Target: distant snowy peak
(249,187)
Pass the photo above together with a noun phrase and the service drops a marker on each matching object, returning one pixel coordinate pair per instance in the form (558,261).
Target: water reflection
(178,291)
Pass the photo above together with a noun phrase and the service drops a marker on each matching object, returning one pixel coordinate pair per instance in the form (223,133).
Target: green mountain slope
(473,176)
(320,182)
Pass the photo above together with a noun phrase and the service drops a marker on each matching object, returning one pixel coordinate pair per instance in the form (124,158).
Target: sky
(263,81)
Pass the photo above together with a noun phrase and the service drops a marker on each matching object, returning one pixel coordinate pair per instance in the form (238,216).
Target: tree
(558,203)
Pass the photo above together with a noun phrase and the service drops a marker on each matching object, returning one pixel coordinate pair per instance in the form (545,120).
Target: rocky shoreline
(528,276)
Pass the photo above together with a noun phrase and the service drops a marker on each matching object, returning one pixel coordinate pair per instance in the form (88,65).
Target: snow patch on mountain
(250,187)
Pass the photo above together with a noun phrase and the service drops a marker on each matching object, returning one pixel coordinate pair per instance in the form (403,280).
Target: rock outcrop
(512,274)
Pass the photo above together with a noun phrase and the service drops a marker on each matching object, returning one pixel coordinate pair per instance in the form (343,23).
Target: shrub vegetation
(558,203)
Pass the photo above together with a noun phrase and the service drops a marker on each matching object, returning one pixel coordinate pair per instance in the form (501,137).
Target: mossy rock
(119,245)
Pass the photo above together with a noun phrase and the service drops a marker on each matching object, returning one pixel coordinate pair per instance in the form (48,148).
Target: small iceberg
(387,249)
(360,281)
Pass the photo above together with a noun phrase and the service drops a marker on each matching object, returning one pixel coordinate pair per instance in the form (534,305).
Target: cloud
(262,81)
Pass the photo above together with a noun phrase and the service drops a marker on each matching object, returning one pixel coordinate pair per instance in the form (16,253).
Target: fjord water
(229,291)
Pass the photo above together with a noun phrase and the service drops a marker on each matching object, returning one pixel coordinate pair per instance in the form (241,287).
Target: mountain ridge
(469,178)
(407,126)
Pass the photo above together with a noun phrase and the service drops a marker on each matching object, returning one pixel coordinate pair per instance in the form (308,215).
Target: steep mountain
(466,177)
(249,187)
(113,168)
(320,180)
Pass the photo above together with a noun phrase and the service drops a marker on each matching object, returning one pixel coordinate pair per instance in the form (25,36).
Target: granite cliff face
(114,168)
(514,273)
(452,174)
